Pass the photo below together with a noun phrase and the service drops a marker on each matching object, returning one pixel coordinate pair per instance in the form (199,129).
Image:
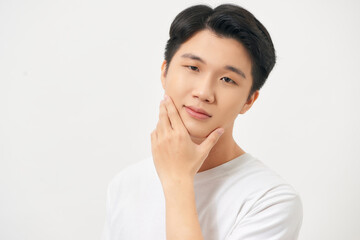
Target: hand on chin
(197,137)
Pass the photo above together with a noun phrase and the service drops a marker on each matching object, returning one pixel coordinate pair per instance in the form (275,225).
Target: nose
(204,90)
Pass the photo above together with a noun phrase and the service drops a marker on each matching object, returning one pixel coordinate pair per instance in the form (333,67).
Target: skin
(183,145)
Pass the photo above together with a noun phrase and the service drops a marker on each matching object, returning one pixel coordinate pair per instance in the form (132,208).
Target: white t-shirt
(239,200)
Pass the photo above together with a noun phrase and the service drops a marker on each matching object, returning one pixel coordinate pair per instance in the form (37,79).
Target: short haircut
(230,21)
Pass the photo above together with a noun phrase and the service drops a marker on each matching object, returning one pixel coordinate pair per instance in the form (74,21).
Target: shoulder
(274,207)
(272,190)
(132,174)
(262,179)
(277,214)
(134,169)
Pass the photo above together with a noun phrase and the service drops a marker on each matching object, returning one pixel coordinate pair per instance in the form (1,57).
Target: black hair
(231,21)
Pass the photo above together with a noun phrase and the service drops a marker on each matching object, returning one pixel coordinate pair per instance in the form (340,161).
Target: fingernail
(220,131)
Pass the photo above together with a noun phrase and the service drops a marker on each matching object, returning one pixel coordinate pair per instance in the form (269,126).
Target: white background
(79,97)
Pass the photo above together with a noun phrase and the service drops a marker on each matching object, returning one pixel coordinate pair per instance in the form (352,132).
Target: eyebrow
(228,67)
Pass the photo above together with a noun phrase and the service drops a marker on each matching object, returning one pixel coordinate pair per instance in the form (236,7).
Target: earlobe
(163,73)
(250,102)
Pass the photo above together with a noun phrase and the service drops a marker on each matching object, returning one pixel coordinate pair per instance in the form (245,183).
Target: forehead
(215,50)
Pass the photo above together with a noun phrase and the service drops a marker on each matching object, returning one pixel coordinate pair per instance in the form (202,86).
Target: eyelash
(197,69)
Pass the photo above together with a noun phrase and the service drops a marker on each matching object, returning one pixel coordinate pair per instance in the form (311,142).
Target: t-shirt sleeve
(276,215)
(106,229)
(111,197)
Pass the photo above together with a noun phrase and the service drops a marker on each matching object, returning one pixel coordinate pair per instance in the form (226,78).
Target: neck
(223,151)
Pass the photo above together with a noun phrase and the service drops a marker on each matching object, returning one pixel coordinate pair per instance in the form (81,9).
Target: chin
(196,132)
(196,129)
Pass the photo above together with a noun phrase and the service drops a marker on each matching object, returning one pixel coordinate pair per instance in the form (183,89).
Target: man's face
(213,74)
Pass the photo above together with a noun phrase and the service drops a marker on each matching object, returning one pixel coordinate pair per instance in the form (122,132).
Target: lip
(197,112)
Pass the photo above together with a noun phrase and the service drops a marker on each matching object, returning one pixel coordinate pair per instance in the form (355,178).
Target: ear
(250,102)
(163,74)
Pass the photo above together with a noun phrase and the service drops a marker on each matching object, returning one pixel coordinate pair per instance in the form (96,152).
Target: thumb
(211,140)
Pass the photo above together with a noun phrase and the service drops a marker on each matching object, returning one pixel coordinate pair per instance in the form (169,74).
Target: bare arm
(177,159)
(181,215)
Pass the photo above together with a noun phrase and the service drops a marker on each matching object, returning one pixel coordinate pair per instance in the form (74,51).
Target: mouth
(197,113)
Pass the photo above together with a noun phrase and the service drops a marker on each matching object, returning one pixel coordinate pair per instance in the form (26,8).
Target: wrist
(177,185)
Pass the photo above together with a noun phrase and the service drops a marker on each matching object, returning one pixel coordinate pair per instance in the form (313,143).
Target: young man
(199,184)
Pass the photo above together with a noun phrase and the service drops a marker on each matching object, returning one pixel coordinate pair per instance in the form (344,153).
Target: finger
(164,123)
(210,141)
(153,136)
(174,116)
(153,141)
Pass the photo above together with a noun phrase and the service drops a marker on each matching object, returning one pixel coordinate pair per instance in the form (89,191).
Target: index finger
(174,116)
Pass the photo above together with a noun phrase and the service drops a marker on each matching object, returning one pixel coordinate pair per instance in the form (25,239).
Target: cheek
(180,77)
(232,109)
(178,87)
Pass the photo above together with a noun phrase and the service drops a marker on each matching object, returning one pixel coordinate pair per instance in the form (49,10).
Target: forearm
(181,215)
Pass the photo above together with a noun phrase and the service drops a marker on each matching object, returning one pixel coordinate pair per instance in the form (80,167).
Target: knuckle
(180,136)
(162,113)
(171,111)
(169,108)
(168,138)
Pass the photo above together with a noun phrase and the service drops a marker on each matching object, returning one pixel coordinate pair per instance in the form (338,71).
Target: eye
(228,80)
(193,68)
